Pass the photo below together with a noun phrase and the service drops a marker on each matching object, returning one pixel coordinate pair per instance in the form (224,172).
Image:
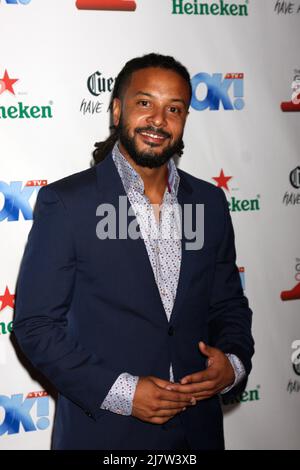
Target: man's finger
(175,396)
(160,382)
(193,378)
(199,377)
(167,413)
(170,405)
(197,387)
(204,396)
(207,393)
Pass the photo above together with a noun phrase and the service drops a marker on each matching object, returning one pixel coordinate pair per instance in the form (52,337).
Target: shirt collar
(131,179)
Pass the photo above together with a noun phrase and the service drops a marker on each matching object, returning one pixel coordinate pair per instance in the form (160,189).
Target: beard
(148,158)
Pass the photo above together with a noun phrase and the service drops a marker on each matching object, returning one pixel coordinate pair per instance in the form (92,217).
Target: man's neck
(154,179)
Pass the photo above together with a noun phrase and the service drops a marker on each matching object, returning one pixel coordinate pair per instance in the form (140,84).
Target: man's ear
(116,111)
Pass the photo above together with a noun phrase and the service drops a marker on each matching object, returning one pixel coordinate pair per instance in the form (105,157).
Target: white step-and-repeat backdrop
(58,62)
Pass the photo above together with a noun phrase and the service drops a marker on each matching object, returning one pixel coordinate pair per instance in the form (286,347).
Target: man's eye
(175,110)
(143,102)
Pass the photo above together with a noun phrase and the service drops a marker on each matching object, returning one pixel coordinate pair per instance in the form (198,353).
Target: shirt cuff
(120,397)
(239,371)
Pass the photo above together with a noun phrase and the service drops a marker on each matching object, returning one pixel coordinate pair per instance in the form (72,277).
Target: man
(139,334)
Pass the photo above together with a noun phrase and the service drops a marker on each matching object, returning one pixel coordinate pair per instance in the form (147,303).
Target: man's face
(151,116)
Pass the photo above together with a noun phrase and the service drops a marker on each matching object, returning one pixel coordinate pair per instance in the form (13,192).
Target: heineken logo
(6,328)
(235,204)
(6,300)
(242,205)
(246,396)
(215,8)
(21,110)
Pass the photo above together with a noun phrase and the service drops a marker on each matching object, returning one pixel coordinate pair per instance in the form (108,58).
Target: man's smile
(152,136)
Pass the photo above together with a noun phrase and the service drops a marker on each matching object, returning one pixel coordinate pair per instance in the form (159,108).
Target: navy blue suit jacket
(89,309)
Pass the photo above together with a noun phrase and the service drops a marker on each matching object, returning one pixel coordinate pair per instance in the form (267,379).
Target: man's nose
(157,117)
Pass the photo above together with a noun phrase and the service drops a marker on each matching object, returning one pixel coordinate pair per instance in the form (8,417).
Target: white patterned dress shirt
(165,257)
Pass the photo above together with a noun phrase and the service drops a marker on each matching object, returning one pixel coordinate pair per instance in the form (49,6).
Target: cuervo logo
(98,84)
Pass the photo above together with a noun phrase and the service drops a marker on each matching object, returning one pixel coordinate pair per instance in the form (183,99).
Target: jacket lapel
(185,196)
(134,252)
(111,187)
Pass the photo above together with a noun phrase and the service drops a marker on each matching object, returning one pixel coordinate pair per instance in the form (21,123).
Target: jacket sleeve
(229,314)
(43,299)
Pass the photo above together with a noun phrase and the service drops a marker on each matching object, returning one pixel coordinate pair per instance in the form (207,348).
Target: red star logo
(222,180)
(6,83)
(7,300)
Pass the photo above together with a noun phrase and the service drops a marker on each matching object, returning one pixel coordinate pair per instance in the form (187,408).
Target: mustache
(156,130)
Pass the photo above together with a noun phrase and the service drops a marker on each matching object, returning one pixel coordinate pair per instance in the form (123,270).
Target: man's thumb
(204,348)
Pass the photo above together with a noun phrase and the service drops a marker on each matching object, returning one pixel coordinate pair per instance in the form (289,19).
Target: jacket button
(171,331)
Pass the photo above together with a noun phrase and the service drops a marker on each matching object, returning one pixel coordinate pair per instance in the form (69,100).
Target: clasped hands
(156,400)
